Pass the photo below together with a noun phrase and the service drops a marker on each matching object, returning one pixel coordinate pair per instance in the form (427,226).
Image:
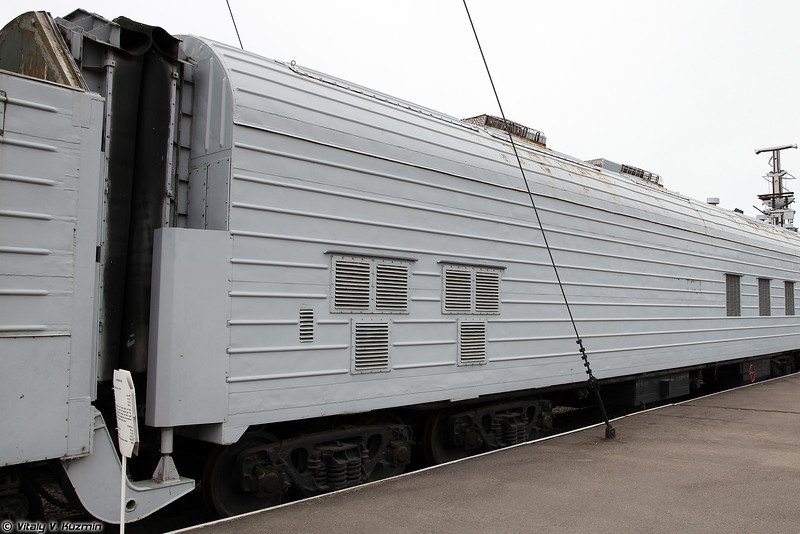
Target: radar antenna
(776,204)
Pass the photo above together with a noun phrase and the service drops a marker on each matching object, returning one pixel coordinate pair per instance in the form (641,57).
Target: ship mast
(776,204)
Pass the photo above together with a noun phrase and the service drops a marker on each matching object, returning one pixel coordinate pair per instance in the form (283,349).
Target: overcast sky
(684,89)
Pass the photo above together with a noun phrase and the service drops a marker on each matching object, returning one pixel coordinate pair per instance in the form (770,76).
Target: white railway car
(314,277)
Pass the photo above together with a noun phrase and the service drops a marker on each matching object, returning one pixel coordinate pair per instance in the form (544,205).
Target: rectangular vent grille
(306,326)
(764,299)
(370,347)
(471,290)
(472,343)
(487,292)
(733,296)
(457,290)
(391,287)
(370,285)
(352,285)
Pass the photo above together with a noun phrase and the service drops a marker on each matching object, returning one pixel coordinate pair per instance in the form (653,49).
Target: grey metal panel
(606,164)
(196,198)
(320,166)
(217,194)
(189,332)
(49,201)
(210,139)
(96,480)
(84,313)
(34,395)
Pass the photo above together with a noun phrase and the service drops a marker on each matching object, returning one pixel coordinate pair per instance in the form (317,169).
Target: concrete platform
(724,463)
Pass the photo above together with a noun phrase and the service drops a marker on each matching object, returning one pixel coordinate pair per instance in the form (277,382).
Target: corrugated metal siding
(317,169)
(49,173)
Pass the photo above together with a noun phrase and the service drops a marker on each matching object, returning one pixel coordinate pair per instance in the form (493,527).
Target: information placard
(127,424)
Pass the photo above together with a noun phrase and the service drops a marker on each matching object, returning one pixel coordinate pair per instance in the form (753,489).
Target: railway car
(314,283)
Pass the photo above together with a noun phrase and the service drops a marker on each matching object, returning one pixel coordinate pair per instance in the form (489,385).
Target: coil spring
(513,430)
(337,473)
(320,470)
(354,471)
(497,429)
(521,433)
(510,433)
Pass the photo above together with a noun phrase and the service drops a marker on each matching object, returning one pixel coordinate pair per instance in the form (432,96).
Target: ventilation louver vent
(370,285)
(764,298)
(733,295)
(306,326)
(391,287)
(643,174)
(627,169)
(470,290)
(487,292)
(471,343)
(352,285)
(370,347)
(457,290)
(514,128)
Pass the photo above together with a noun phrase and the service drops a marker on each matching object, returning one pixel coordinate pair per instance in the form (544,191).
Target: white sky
(684,89)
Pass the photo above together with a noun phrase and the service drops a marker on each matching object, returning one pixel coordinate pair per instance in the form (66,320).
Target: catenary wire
(233,19)
(610,432)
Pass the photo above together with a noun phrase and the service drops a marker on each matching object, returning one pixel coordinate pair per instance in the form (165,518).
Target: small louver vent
(487,292)
(472,343)
(764,299)
(510,127)
(391,287)
(351,286)
(457,290)
(306,326)
(733,295)
(471,290)
(370,347)
(370,285)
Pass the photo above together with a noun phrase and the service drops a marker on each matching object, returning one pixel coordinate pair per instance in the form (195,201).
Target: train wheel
(439,447)
(21,504)
(222,486)
(382,471)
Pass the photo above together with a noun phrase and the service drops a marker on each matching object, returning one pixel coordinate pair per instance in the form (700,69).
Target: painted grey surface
(289,172)
(96,479)
(52,171)
(320,167)
(186,378)
(50,164)
(725,463)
